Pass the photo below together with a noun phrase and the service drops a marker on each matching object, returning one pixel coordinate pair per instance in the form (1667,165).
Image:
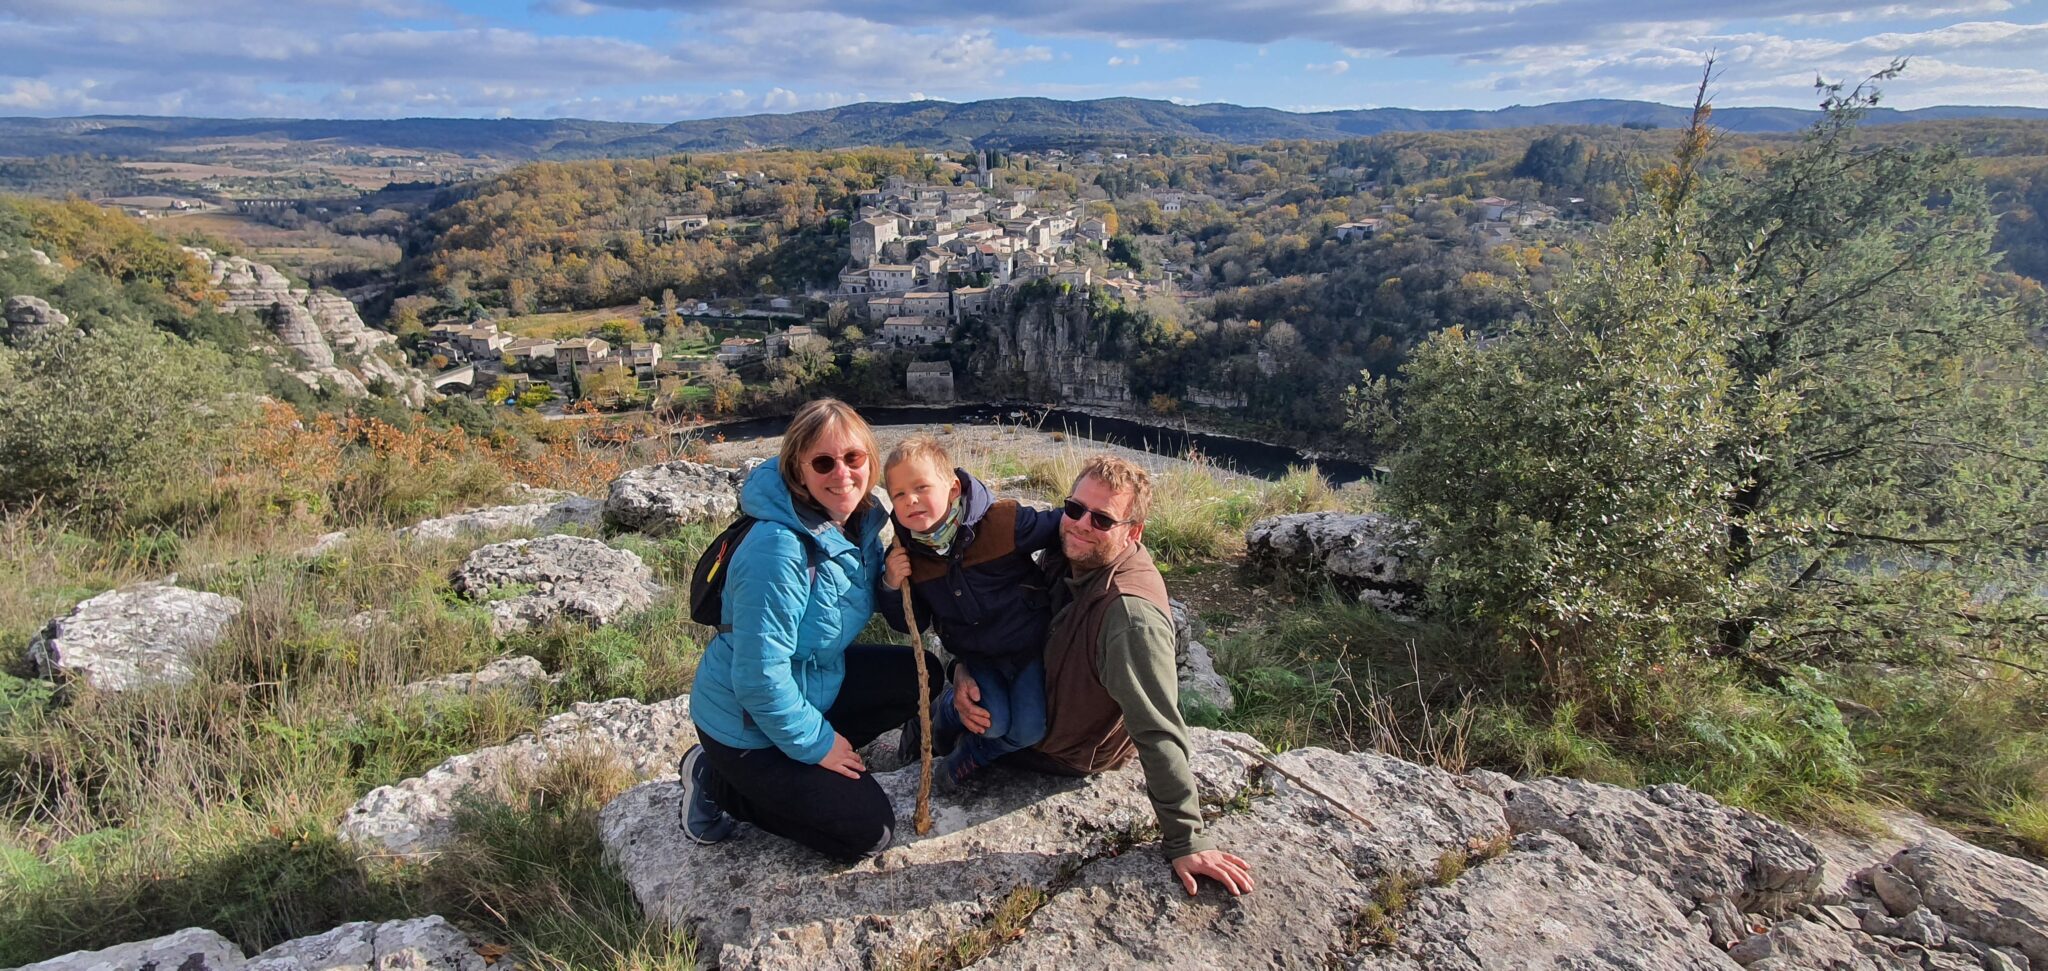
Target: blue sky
(667,60)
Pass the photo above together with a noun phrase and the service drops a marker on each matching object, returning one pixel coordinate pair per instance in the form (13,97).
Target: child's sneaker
(953,773)
(703,821)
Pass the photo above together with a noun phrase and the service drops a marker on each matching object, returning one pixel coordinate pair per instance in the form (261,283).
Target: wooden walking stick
(923,821)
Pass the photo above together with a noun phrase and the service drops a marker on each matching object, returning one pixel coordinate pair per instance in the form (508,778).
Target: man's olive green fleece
(1136,664)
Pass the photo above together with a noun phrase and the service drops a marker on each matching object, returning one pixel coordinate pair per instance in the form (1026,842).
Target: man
(1111,689)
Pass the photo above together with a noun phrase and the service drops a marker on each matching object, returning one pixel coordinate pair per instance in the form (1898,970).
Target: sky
(669,60)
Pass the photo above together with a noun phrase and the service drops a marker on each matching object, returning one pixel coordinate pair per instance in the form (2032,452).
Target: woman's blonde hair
(810,424)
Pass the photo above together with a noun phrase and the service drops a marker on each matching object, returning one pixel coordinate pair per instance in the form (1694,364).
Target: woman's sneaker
(703,821)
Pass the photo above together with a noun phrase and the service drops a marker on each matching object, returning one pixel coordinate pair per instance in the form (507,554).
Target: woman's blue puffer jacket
(770,679)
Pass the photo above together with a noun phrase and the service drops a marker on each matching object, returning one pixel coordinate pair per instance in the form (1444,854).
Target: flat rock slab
(1799,944)
(1718,862)
(1987,897)
(420,944)
(1546,906)
(1330,829)
(527,583)
(400,945)
(760,901)
(521,676)
(575,512)
(658,498)
(417,816)
(1365,555)
(133,637)
(191,949)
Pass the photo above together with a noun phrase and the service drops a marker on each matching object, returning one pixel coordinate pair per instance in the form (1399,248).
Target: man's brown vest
(1084,727)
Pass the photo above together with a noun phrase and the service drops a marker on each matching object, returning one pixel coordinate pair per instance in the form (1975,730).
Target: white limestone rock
(531,582)
(1986,897)
(31,317)
(1366,555)
(133,637)
(574,512)
(420,944)
(1332,826)
(1544,907)
(416,816)
(521,676)
(191,949)
(760,901)
(1718,863)
(658,498)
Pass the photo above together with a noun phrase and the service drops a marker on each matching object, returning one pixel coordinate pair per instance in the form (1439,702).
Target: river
(1260,459)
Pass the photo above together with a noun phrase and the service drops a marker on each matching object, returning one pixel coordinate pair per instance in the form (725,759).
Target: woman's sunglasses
(824,464)
(1101,520)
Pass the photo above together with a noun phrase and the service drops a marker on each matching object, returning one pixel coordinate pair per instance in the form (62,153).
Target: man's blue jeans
(1016,711)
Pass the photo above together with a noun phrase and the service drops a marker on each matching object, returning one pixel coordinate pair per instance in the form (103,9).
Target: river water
(1243,455)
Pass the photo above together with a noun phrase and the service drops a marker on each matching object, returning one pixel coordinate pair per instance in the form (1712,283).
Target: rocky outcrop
(400,945)
(758,901)
(1365,555)
(420,944)
(1199,682)
(133,637)
(1944,885)
(530,582)
(191,949)
(1716,863)
(322,329)
(31,317)
(658,498)
(520,677)
(574,512)
(1545,905)
(417,815)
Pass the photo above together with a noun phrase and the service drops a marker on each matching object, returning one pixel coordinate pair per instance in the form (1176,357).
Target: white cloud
(1131,61)
(1333,68)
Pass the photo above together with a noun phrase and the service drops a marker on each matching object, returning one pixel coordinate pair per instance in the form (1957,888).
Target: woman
(784,698)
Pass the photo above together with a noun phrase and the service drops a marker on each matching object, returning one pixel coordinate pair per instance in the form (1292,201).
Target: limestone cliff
(1048,347)
(324,335)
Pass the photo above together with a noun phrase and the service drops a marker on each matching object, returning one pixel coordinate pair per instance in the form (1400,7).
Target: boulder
(1199,682)
(191,949)
(1331,828)
(325,544)
(658,498)
(416,816)
(521,676)
(420,944)
(1986,897)
(530,582)
(133,637)
(1079,851)
(31,317)
(1364,555)
(1799,944)
(574,512)
(1544,905)
(759,901)
(1719,863)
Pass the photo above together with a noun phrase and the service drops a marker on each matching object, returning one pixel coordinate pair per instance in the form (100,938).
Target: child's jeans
(1016,711)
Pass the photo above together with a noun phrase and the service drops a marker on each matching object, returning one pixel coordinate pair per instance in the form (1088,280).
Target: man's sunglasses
(1101,520)
(824,464)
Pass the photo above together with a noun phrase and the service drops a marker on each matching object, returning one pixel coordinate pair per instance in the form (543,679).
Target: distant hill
(1025,123)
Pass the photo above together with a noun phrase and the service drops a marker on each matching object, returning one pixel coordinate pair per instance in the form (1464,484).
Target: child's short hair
(919,448)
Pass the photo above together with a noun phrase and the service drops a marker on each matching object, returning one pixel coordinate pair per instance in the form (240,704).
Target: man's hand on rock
(1227,869)
(966,695)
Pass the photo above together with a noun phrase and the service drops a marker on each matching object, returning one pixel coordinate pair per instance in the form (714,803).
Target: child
(967,558)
